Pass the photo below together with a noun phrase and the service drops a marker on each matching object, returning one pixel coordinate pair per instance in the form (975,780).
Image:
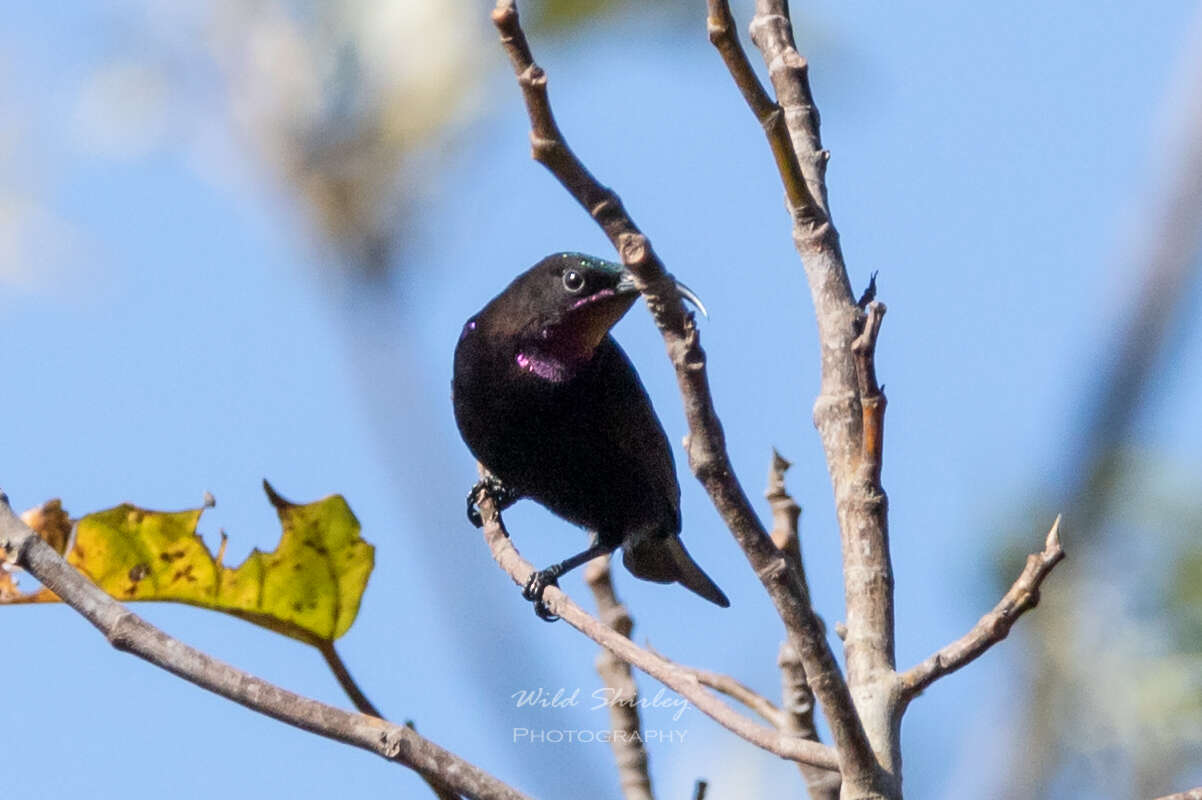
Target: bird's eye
(573,281)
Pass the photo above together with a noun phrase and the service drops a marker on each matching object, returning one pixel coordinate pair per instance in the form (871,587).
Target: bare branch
(666,672)
(706,446)
(796,716)
(721,25)
(735,690)
(629,752)
(860,502)
(797,719)
(365,706)
(868,573)
(872,404)
(130,633)
(994,626)
(357,697)
(440,790)
(343,675)
(772,32)
(786,514)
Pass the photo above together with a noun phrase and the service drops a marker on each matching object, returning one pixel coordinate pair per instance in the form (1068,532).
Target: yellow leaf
(51,523)
(308,588)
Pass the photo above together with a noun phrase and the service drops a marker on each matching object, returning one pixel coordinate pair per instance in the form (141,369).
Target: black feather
(549,403)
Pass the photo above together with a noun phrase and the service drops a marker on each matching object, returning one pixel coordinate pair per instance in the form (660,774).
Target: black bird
(547,401)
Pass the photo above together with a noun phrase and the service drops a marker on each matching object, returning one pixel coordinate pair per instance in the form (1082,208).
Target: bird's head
(558,312)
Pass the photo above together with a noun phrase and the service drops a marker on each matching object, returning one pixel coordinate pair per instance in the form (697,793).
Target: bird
(551,406)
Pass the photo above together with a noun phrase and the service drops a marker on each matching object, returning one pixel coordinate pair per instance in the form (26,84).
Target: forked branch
(994,626)
(706,445)
(672,675)
(129,633)
(796,716)
(721,25)
(630,754)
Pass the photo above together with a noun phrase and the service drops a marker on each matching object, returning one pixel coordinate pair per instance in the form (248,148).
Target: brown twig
(868,572)
(666,672)
(629,753)
(129,633)
(440,790)
(720,682)
(849,415)
(721,26)
(797,719)
(54,525)
(735,690)
(860,506)
(994,626)
(786,514)
(872,401)
(343,675)
(705,445)
(772,32)
(796,716)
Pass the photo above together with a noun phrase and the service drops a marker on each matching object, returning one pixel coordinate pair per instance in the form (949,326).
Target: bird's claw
(488,486)
(473,513)
(533,591)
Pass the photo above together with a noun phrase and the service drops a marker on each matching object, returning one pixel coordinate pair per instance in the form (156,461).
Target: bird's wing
(641,442)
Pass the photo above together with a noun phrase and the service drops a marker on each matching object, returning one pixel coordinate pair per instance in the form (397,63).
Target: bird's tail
(665,560)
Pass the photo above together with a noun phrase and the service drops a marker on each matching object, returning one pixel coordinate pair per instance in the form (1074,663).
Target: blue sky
(172,333)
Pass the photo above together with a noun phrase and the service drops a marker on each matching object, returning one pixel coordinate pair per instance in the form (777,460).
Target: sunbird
(551,406)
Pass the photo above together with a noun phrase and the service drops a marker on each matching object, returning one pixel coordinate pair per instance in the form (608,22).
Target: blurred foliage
(1115,653)
(346,109)
(335,97)
(308,588)
(1185,597)
(562,16)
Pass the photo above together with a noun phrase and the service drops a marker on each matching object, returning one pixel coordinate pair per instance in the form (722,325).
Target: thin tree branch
(129,633)
(872,406)
(994,626)
(705,445)
(359,699)
(54,525)
(672,675)
(796,717)
(629,753)
(772,32)
(440,790)
(735,690)
(720,682)
(338,667)
(721,26)
(860,503)
(1142,342)
(786,514)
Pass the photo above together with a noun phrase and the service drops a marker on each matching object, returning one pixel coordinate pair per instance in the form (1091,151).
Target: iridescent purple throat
(549,369)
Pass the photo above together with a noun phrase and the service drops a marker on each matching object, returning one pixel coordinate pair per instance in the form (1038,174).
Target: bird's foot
(489,486)
(534,588)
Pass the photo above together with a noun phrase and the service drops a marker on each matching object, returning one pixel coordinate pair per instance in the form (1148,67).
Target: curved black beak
(626,284)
